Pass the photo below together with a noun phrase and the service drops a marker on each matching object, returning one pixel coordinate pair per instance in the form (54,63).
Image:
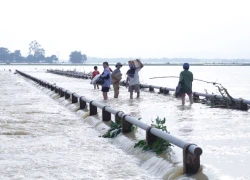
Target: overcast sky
(129,28)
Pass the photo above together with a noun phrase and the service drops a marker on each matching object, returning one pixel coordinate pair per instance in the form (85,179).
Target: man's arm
(105,74)
(127,80)
(181,78)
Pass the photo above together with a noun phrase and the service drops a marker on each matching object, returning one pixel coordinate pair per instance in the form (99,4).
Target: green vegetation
(159,145)
(77,57)
(36,55)
(116,129)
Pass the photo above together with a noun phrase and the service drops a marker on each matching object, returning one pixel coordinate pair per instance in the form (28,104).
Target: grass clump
(116,129)
(159,145)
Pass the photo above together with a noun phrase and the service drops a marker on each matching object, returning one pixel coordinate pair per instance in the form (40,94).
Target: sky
(202,29)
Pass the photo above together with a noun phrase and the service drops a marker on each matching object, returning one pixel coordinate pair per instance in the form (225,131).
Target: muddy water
(44,136)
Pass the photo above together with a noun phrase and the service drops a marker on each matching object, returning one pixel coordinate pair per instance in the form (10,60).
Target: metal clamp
(191,162)
(150,138)
(116,114)
(90,103)
(105,107)
(81,97)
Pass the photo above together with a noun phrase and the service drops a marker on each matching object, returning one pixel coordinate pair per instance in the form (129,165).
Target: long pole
(178,77)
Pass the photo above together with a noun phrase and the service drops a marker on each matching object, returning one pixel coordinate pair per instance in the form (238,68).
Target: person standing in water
(186,80)
(107,80)
(94,73)
(133,79)
(116,78)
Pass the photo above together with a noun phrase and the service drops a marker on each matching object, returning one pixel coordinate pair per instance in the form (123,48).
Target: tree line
(37,55)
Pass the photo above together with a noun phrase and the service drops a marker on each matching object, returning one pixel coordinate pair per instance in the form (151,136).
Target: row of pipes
(243,104)
(191,152)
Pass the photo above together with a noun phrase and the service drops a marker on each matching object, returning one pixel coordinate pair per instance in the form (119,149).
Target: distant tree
(36,55)
(22,59)
(51,59)
(48,60)
(30,58)
(77,57)
(54,58)
(4,54)
(11,57)
(37,52)
(84,57)
(34,46)
(40,58)
(18,56)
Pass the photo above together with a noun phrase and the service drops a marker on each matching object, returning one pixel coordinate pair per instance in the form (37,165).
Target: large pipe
(97,104)
(70,73)
(178,142)
(83,98)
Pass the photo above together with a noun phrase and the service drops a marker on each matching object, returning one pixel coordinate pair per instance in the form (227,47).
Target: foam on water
(156,166)
(57,144)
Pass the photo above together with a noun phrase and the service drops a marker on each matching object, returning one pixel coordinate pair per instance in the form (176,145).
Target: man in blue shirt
(107,80)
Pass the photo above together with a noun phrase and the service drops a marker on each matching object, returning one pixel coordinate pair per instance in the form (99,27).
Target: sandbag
(136,63)
(94,79)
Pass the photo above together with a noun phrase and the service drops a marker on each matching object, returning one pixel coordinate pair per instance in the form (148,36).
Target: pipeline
(70,74)
(191,152)
(241,104)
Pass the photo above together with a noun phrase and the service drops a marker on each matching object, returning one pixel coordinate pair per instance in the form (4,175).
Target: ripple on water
(15,133)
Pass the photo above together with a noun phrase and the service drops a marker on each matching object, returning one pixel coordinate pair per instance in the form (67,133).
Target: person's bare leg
(116,94)
(138,94)
(183,99)
(116,91)
(131,95)
(105,95)
(191,98)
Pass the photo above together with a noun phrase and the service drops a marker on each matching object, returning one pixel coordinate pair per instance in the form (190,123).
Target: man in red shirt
(94,73)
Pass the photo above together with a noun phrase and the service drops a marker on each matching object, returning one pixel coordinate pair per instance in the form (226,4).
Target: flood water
(44,136)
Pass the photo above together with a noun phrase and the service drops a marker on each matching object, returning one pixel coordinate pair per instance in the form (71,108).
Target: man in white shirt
(133,79)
